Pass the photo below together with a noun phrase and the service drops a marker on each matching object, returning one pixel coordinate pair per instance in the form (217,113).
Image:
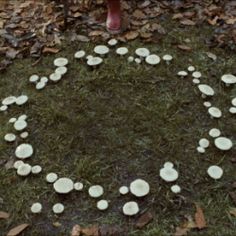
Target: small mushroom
(96,191)
(24,151)
(24,135)
(201,150)
(61,61)
(101,50)
(17,164)
(51,177)
(167,58)
(215,172)
(12,120)
(204,143)
(102,205)
(22,117)
(40,85)
(123,190)
(175,189)
(80,54)
(214,133)
(153,59)
(233,102)
(33,78)
(44,79)
(215,112)
(78,186)
(191,68)
(196,81)
(130,59)
(130,208)
(36,208)
(94,61)
(3,108)
(58,208)
(63,185)
(168,164)
(139,188)
(112,42)
(142,52)
(182,74)
(24,169)
(206,90)
(169,174)
(10,137)
(21,100)
(20,124)
(122,51)
(232,110)
(207,104)
(55,77)
(138,60)
(228,79)
(223,143)
(36,169)
(89,57)
(9,100)
(196,74)
(62,70)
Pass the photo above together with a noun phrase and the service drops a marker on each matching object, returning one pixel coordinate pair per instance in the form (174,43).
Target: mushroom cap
(167,57)
(3,108)
(94,61)
(78,186)
(40,85)
(33,78)
(24,151)
(197,74)
(102,205)
(51,177)
(22,117)
(61,61)
(215,172)
(101,49)
(130,208)
(95,191)
(215,112)
(61,70)
(130,59)
(169,174)
(206,89)
(196,81)
(207,104)
(10,137)
(228,79)
(175,188)
(80,54)
(24,169)
(9,100)
(214,133)
(12,120)
(36,208)
(21,100)
(55,77)
(168,164)
(138,60)
(223,143)
(58,208)
(201,149)
(24,135)
(123,190)
(44,79)
(122,51)
(153,59)
(89,57)
(232,110)
(36,169)
(17,164)
(191,68)
(63,185)
(204,143)
(182,73)
(112,42)
(139,188)
(20,124)
(233,102)
(142,52)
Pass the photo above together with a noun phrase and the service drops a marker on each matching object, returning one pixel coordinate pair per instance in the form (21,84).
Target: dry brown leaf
(144,219)
(187,22)
(181,231)
(131,35)
(177,16)
(17,230)
(200,218)
(91,231)
(233,212)
(76,230)
(138,14)
(184,48)
(50,50)
(4,215)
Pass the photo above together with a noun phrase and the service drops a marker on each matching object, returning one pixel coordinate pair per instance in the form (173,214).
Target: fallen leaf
(138,14)
(4,215)
(17,230)
(144,219)
(200,218)
(181,231)
(50,50)
(91,231)
(76,230)
(233,212)
(184,48)
(187,22)
(131,35)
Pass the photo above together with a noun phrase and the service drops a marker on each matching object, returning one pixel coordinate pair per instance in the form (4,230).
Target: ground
(121,122)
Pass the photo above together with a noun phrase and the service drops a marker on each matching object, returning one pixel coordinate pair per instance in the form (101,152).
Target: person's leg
(113,16)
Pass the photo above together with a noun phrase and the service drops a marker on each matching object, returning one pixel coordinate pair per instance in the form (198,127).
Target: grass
(112,125)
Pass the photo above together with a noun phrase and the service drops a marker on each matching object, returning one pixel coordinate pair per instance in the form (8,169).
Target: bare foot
(113,16)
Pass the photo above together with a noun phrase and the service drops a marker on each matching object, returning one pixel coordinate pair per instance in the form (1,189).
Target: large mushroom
(223,143)
(96,191)
(169,174)
(206,90)
(101,50)
(61,61)
(153,59)
(122,51)
(228,79)
(24,169)
(215,112)
(130,208)
(24,151)
(139,188)
(142,52)
(63,185)
(215,172)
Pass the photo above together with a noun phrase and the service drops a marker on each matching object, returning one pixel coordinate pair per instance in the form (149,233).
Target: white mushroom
(36,169)
(21,100)
(207,104)
(112,42)
(51,177)
(89,57)
(60,62)
(102,205)
(204,143)
(191,68)
(168,164)
(123,190)
(80,54)
(228,79)
(196,81)
(78,186)
(22,117)
(20,124)
(215,112)
(175,188)
(215,172)
(95,191)
(33,78)
(138,60)
(130,59)
(55,77)
(196,74)
(58,208)
(62,70)
(223,143)
(44,79)
(214,133)
(36,208)
(182,74)
(3,108)
(101,50)
(153,59)
(9,100)
(94,61)
(169,174)
(12,120)
(139,188)
(233,102)
(24,151)
(63,185)
(40,85)
(167,58)
(232,110)
(24,169)
(24,135)
(142,52)
(10,137)
(17,164)
(130,208)
(206,90)
(122,51)
(201,149)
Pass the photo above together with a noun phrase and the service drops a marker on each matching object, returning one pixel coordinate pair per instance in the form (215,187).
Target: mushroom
(182,74)
(20,124)
(58,208)
(21,100)
(232,110)
(130,208)
(12,120)
(61,61)
(206,90)
(55,77)
(204,143)
(24,135)
(102,205)
(101,50)
(233,102)
(36,169)
(228,79)
(223,143)
(123,190)
(80,54)
(36,208)
(33,78)
(167,58)
(139,188)
(168,164)
(130,59)
(78,186)
(175,188)
(40,85)
(3,108)
(24,169)
(142,52)
(196,81)
(169,174)
(122,51)
(112,42)
(17,164)
(215,112)
(207,104)
(44,79)
(51,177)
(201,149)
(63,185)
(9,100)
(62,70)
(95,191)
(94,61)
(24,151)
(138,60)
(10,137)
(214,133)
(196,75)
(89,57)
(215,172)
(22,117)
(152,59)
(191,68)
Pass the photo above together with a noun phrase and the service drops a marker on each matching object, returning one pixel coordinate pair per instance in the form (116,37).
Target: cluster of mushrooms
(139,187)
